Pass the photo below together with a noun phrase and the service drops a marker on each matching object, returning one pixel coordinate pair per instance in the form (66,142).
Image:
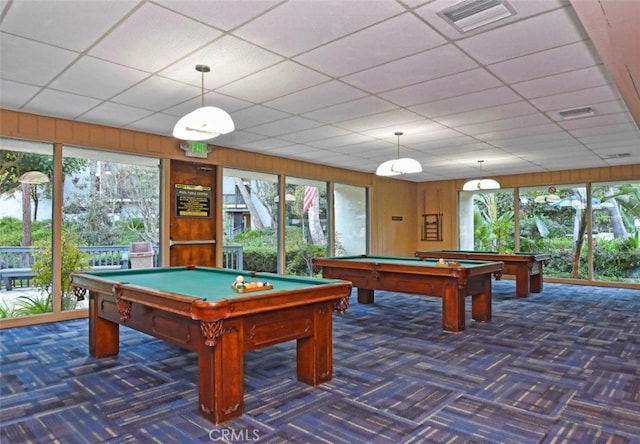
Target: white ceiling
(329,81)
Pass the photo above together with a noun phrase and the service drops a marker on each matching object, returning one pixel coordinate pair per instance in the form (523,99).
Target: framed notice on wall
(193,200)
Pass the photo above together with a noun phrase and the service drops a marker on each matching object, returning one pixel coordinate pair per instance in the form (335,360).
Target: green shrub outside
(11,231)
(260,247)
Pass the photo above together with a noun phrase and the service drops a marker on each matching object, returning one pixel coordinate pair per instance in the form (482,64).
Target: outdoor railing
(16,262)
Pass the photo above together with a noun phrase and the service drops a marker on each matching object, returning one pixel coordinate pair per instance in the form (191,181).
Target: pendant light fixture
(204,123)
(481,184)
(399,166)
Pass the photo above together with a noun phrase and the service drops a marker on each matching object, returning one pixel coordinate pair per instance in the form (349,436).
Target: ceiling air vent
(472,14)
(617,156)
(576,113)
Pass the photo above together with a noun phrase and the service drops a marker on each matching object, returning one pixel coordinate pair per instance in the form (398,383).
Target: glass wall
(615,223)
(110,201)
(591,231)
(306,224)
(350,215)
(26,170)
(486,220)
(553,219)
(251,221)
(250,217)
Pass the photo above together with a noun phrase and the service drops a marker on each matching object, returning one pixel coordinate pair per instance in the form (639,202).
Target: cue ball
(240,279)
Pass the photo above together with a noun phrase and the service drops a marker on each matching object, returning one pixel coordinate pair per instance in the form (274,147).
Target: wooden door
(192,226)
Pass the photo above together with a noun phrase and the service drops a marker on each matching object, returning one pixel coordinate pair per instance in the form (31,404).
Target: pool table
(526,267)
(452,282)
(199,309)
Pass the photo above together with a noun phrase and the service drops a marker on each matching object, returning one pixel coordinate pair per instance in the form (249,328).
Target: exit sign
(195,149)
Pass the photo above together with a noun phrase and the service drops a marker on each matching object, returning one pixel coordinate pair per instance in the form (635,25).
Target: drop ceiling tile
(339,141)
(562,83)
(74,25)
(576,99)
(427,65)
(229,104)
(541,64)
(505,135)
(547,148)
(615,146)
(595,121)
(256,115)
(229,58)
(294,27)
(285,126)
(604,131)
(413,132)
(14,95)
(447,138)
(627,132)
(157,123)
(354,52)
(238,138)
(96,78)
(318,133)
(116,115)
(490,114)
(467,103)
(525,37)
(550,137)
(385,119)
(26,61)
(276,81)
(451,86)
(220,14)
(154,38)
(48,102)
(267,144)
(157,93)
(504,124)
(317,97)
(350,110)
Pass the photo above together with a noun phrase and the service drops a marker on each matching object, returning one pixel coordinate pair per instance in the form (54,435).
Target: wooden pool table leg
(104,335)
(315,352)
(365,296)
(536,281)
(523,276)
(453,309)
(481,303)
(221,374)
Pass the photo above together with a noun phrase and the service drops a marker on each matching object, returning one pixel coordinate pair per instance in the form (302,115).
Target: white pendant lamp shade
(204,123)
(398,166)
(481,184)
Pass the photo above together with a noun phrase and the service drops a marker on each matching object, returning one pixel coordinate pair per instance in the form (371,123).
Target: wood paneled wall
(391,199)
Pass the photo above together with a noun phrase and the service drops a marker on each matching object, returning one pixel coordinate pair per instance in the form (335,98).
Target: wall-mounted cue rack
(432,227)
(432,222)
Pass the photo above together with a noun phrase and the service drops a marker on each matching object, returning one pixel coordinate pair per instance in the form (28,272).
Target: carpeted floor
(562,366)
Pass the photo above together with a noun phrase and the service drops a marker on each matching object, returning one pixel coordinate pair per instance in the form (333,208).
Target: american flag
(309,195)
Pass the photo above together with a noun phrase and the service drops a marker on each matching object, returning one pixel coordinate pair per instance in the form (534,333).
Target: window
(110,200)
(250,213)
(26,229)
(486,221)
(351,227)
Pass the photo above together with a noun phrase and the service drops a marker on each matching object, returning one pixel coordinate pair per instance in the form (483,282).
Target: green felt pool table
(198,308)
(526,267)
(451,282)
